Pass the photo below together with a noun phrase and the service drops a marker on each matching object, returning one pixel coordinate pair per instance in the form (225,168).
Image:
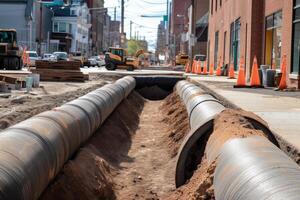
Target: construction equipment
(10,54)
(117,58)
(182,59)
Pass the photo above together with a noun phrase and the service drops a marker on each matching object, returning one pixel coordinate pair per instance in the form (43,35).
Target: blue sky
(133,10)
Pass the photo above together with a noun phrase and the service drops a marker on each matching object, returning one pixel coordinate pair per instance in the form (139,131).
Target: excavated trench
(135,152)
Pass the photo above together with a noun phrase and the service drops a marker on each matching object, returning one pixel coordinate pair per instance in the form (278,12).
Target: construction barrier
(34,151)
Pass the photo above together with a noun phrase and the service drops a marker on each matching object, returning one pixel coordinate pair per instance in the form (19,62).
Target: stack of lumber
(8,83)
(59,71)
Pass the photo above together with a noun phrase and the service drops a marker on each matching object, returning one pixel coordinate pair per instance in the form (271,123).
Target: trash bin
(29,81)
(264,74)
(271,77)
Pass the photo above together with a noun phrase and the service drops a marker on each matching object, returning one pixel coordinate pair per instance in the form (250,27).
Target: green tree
(134,45)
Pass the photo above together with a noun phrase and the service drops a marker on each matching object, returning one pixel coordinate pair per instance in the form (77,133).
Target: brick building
(179,20)
(263,28)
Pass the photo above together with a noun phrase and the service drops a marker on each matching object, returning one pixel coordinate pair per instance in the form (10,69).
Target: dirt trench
(130,157)
(133,154)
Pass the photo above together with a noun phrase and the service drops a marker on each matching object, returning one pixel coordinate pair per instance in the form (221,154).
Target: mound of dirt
(90,174)
(229,124)
(177,118)
(12,112)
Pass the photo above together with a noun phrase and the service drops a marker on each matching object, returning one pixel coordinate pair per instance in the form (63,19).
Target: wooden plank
(8,79)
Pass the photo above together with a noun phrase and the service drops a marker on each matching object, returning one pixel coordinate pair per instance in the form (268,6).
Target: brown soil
(126,159)
(176,117)
(229,124)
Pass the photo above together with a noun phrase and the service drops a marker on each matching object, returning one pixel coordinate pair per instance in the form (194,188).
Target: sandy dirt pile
(22,107)
(177,118)
(229,124)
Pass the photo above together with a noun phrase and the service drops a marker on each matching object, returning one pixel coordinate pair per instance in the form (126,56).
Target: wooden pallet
(59,65)
(60,75)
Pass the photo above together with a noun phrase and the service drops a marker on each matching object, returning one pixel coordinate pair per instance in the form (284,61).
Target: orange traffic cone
(218,71)
(193,67)
(211,69)
(24,56)
(231,72)
(199,70)
(188,68)
(283,84)
(205,68)
(241,80)
(255,80)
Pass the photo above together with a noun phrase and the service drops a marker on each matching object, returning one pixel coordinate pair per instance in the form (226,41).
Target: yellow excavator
(10,54)
(117,58)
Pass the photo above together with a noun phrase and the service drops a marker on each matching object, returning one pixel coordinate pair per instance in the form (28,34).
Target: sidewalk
(281,110)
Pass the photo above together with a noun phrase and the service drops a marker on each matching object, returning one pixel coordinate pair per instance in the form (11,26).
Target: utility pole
(115,14)
(167,33)
(41,30)
(122,16)
(131,29)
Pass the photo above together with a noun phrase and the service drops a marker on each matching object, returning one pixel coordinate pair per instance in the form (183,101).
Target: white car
(33,56)
(49,57)
(100,61)
(92,61)
(61,55)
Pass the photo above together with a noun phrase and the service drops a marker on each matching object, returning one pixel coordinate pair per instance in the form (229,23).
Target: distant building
(114,34)
(22,20)
(71,26)
(161,39)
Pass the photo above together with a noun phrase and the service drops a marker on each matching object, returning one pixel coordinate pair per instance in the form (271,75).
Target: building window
(224,45)
(62,27)
(273,39)
(235,29)
(216,49)
(212,7)
(55,27)
(296,39)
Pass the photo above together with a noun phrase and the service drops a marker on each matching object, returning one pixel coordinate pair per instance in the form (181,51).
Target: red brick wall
(230,11)
(272,6)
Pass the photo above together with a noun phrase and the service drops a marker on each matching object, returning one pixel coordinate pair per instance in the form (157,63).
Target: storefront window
(296,38)
(216,48)
(273,40)
(235,29)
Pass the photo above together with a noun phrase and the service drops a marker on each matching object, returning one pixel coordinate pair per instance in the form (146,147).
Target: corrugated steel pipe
(252,169)
(33,152)
(202,109)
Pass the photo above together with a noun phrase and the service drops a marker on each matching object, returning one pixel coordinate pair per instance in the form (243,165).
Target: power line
(153,3)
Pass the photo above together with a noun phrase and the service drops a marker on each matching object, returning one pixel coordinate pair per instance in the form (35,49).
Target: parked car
(200,57)
(100,61)
(49,57)
(33,56)
(182,59)
(92,62)
(61,55)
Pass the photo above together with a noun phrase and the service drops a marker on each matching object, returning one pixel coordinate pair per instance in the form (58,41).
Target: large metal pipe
(253,169)
(33,152)
(202,109)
